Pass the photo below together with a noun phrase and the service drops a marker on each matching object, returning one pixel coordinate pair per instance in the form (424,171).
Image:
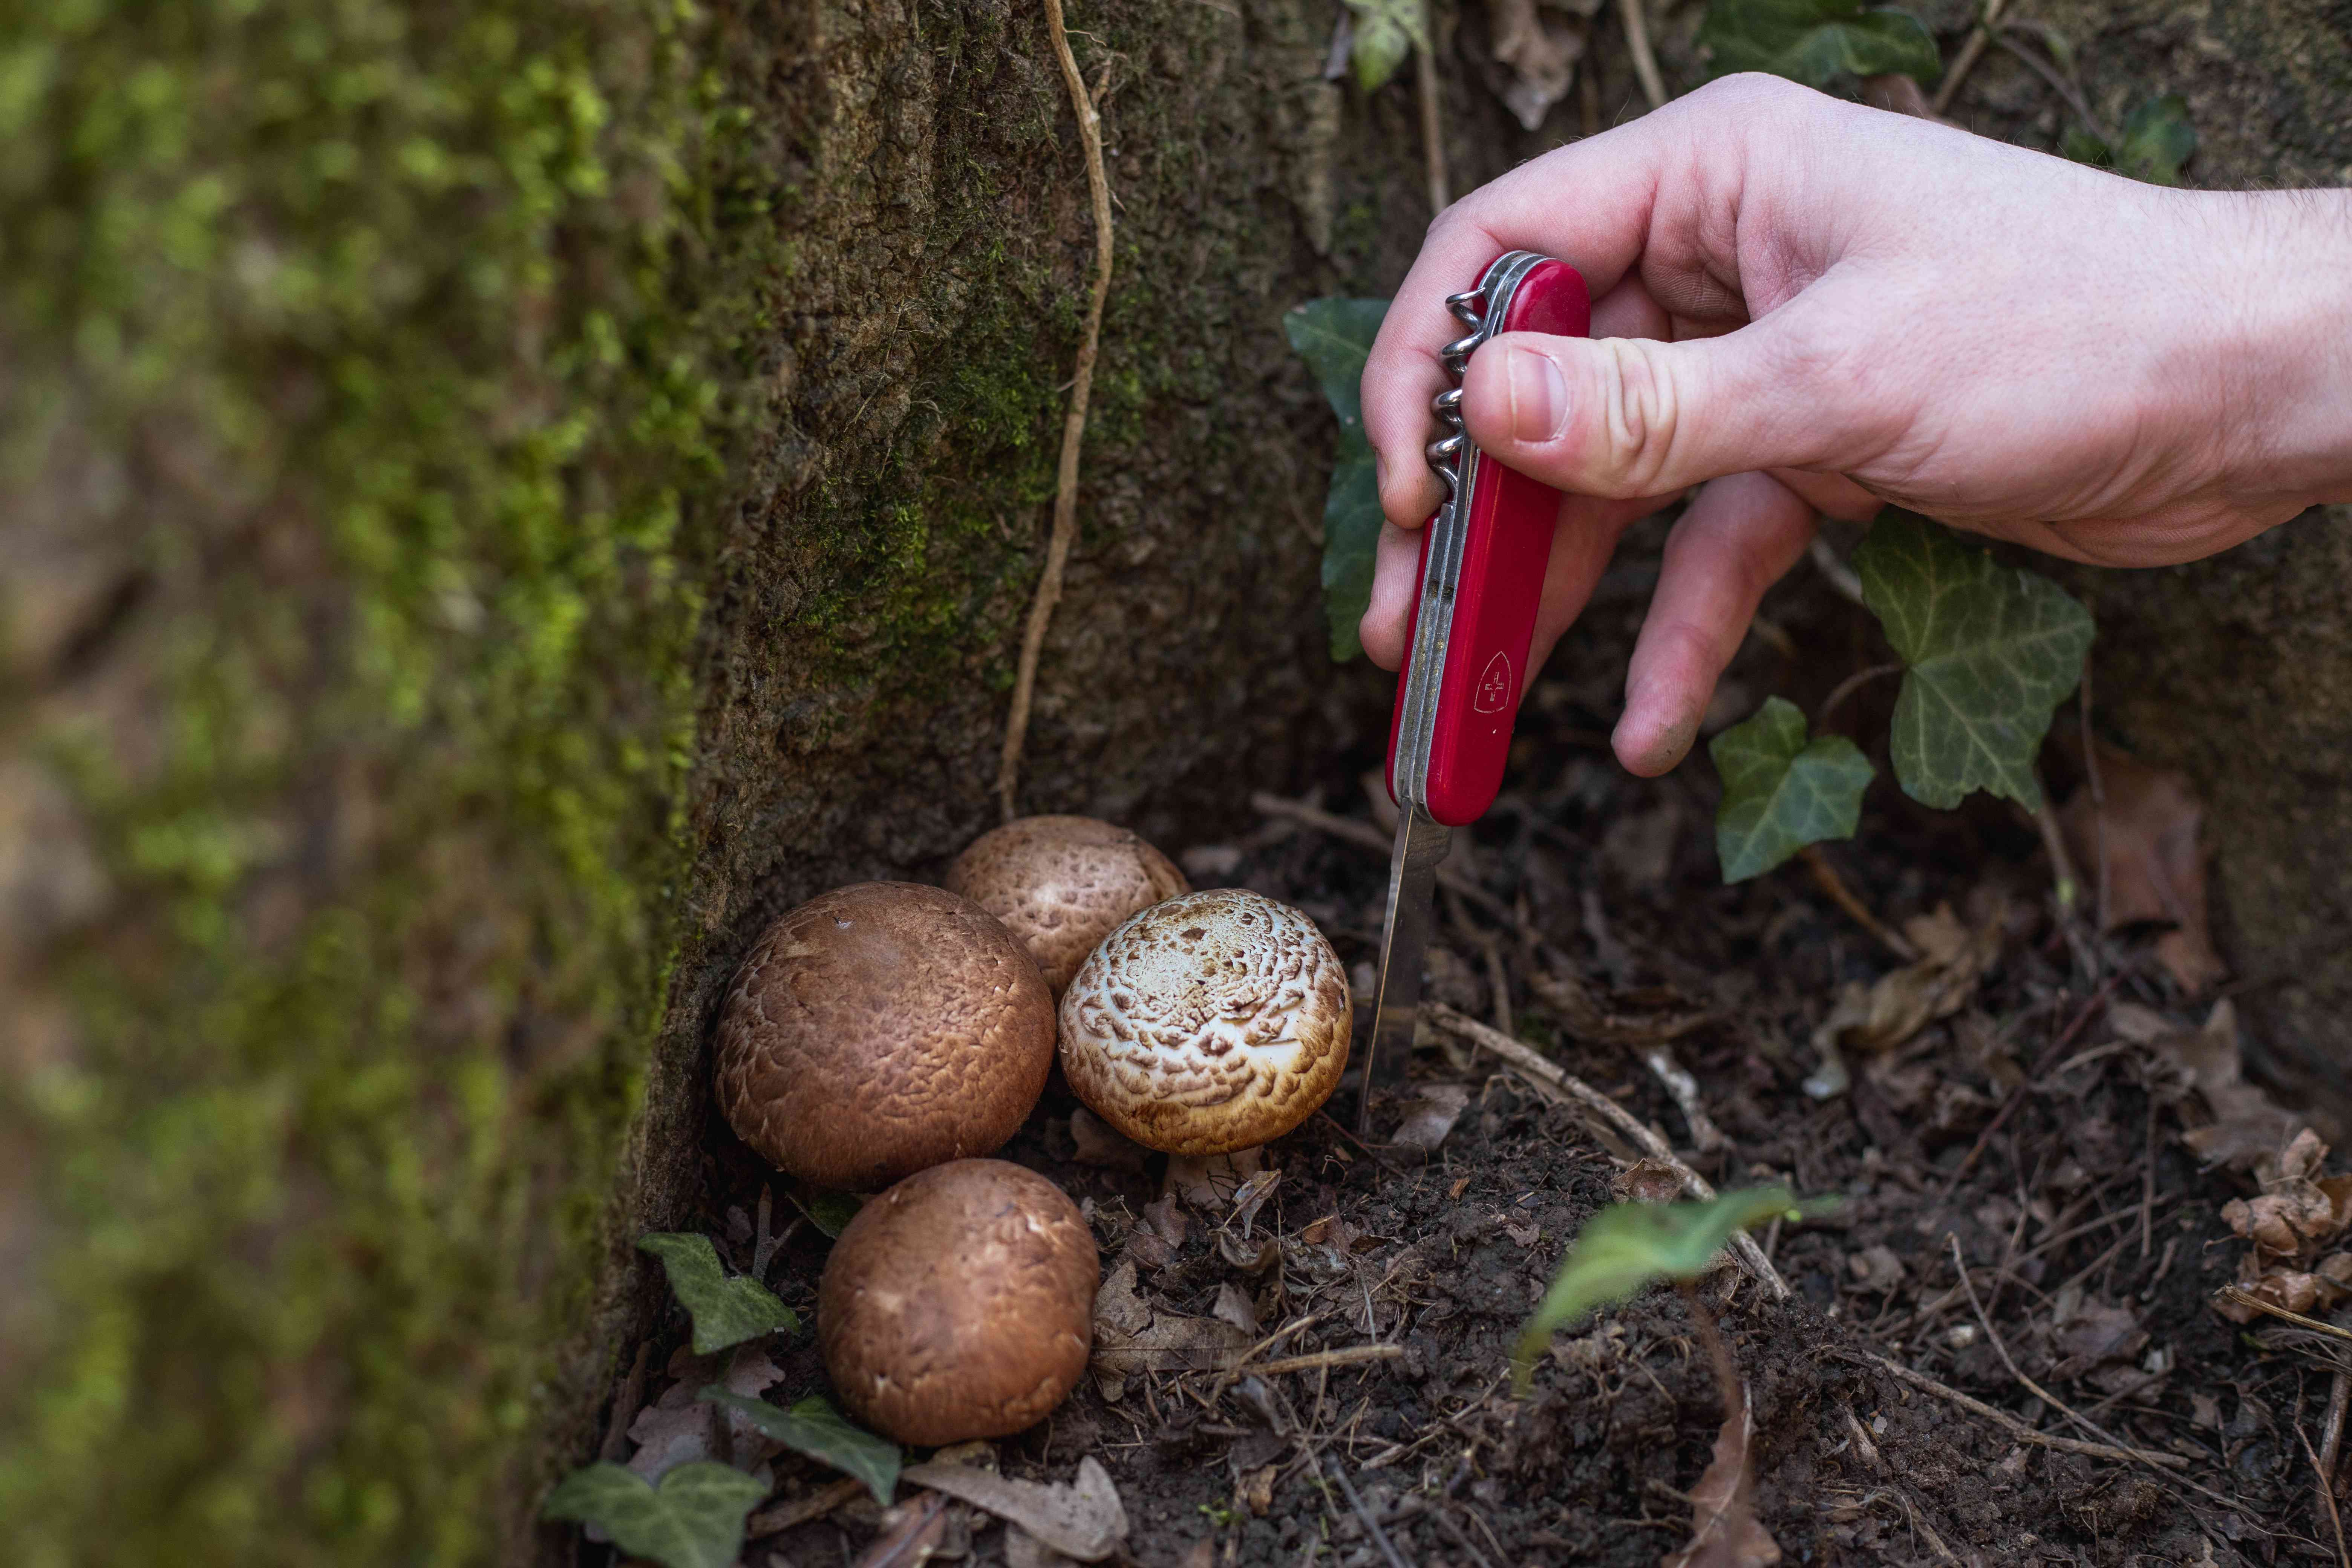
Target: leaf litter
(2077,1137)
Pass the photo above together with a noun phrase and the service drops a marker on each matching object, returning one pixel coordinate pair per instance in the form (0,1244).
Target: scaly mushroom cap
(1209,1023)
(959,1304)
(880,1028)
(1062,884)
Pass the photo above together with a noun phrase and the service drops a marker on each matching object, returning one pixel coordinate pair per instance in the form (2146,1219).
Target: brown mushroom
(959,1304)
(1208,1024)
(880,1028)
(1062,884)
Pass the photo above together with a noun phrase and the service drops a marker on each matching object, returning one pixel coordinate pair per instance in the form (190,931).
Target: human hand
(1803,305)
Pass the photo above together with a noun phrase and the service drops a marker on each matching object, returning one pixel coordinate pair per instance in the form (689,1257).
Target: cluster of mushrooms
(885,1037)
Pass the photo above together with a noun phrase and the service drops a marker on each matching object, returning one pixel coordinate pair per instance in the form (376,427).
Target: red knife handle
(1509,520)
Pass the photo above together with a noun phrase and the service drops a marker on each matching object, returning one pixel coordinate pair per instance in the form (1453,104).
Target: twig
(1978,38)
(1706,1137)
(2164,1461)
(1073,423)
(1637,43)
(1339,1473)
(1825,877)
(2331,1444)
(2238,1296)
(1851,683)
(817,1505)
(1364,836)
(2326,1497)
(1998,1417)
(1348,1356)
(2017,1095)
(1541,1067)
(2059,84)
(1836,572)
(1433,122)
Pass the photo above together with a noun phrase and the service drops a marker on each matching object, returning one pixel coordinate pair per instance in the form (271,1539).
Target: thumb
(1639,417)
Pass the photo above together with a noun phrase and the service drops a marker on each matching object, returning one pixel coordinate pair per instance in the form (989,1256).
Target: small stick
(2064,89)
(1339,1473)
(1843,578)
(2017,1095)
(1364,836)
(817,1505)
(2059,1405)
(1855,682)
(2339,1395)
(1074,424)
(2327,1495)
(1826,878)
(1682,1088)
(1637,43)
(1978,38)
(1543,1068)
(1998,1417)
(1347,1355)
(1433,122)
(2098,794)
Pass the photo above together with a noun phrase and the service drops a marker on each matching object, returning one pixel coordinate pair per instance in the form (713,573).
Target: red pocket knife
(1483,558)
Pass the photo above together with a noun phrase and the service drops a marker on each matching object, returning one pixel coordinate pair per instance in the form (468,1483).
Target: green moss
(413,324)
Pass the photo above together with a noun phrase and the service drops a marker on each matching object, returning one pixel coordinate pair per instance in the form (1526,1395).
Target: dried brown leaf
(1132,1336)
(1647,1182)
(1084,1518)
(1541,55)
(1724,1531)
(2155,860)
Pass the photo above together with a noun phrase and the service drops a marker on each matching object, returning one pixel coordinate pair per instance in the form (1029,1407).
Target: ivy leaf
(1386,31)
(726,1311)
(1333,336)
(815,1428)
(1988,652)
(693,1520)
(1817,41)
(1781,792)
(831,1212)
(2152,146)
(1628,1246)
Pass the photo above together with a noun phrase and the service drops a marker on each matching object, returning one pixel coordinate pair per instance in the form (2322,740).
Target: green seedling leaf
(1333,336)
(815,1428)
(1780,791)
(1817,41)
(1628,1246)
(1386,31)
(726,1311)
(693,1520)
(2152,146)
(1988,652)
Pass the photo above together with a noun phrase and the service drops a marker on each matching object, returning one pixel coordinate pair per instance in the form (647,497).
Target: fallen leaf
(1647,1182)
(1724,1531)
(1256,1491)
(1084,1519)
(912,1539)
(2150,826)
(1211,1183)
(1542,56)
(1022,1550)
(2096,1332)
(1431,1117)
(1233,1307)
(1885,1013)
(2246,1125)
(1131,1337)
(678,1429)
(1876,1269)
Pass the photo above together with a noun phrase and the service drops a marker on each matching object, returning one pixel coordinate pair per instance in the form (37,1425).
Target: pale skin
(1806,307)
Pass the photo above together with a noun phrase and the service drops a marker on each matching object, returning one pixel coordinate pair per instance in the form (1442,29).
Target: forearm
(2289,351)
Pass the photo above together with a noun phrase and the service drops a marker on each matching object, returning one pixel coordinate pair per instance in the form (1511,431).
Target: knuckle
(1639,408)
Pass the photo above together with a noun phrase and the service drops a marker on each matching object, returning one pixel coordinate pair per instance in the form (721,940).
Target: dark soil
(2021,1129)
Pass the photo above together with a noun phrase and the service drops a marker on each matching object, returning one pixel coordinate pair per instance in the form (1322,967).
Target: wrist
(2286,300)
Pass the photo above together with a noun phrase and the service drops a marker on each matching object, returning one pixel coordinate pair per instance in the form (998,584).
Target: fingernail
(1538,396)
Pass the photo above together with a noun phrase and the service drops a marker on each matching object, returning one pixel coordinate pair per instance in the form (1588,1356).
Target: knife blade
(1483,557)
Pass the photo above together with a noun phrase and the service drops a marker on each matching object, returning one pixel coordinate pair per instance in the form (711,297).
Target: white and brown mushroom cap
(880,1028)
(1212,1022)
(959,1304)
(1062,884)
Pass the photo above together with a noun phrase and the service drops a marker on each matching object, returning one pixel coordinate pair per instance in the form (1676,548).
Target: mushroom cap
(1062,884)
(959,1304)
(1212,1022)
(880,1028)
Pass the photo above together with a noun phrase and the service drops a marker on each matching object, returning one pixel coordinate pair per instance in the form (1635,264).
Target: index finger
(1591,203)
